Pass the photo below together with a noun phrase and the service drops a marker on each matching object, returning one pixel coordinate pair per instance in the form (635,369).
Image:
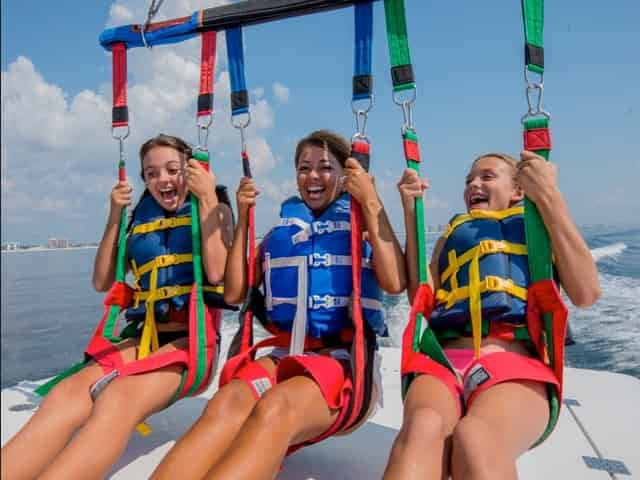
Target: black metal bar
(251,12)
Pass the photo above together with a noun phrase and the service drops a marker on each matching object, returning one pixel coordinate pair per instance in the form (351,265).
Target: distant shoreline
(47,249)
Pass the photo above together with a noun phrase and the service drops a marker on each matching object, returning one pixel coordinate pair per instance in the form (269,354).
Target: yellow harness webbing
(477,287)
(162,224)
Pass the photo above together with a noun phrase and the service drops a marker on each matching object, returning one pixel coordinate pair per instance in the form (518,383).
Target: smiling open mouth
(477,199)
(169,194)
(315,193)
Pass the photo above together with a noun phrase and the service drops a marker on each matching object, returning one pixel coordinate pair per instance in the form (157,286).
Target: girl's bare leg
(289,413)
(496,430)
(120,407)
(421,449)
(212,434)
(52,425)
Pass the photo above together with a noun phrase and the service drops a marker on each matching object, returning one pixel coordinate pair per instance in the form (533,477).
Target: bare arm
(388,260)
(104,266)
(236,279)
(577,270)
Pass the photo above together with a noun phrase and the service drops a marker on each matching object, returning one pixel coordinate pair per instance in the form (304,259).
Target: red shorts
(329,373)
(478,375)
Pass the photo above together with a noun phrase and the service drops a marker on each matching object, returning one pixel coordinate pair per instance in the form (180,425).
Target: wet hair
(336,144)
(185,149)
(505,157)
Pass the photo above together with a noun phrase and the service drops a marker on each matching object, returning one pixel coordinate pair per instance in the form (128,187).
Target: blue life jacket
(160,241)
(307,271)
(485,252)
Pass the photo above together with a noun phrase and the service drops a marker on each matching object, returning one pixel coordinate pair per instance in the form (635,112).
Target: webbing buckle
(165,260)
(493,283)
(321,227)
(489,246)
(320,260)
(321,301)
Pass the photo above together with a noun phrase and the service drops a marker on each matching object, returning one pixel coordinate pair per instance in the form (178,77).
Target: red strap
(361,147)
(119,294)
(120,117)
(543,297)
(358,320)
(537,139)
(411,150)
(207,71)
(422,304)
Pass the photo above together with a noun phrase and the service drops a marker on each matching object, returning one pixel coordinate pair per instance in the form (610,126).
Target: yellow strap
(489,284)
(482,214)
(143,429)
(149,339)
(163,261)
(475,305)
(454,266)
(484,247)
(168,292)
(162,224)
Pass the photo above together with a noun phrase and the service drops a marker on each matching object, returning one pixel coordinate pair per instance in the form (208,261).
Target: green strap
(196,242)
(533,20)
(541,268)
(45,388)
(538,243)
(398,40)
(423,275)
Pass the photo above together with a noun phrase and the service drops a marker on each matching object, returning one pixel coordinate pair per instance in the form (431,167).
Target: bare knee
(275,407)
(477,450)
(232,402)
(69,391)
(423,426)
(116,399)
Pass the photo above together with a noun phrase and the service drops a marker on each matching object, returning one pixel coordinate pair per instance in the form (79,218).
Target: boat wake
(612,250)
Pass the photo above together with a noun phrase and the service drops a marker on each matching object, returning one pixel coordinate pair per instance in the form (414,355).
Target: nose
(313,173)
(474,181)
(163,176)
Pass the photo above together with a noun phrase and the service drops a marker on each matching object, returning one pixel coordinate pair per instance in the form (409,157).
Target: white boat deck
(598,424)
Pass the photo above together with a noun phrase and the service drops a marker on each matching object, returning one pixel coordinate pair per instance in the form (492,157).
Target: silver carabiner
(407,108)
(362,118)
(532,88)
(241,125)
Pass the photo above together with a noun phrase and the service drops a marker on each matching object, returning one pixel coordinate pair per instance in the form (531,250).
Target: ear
(517,195)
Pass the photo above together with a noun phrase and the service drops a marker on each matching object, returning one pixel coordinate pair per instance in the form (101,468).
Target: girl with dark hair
(77,421)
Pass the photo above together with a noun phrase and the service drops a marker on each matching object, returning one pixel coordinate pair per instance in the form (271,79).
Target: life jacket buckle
(321,301)
(321,227)
(319,260)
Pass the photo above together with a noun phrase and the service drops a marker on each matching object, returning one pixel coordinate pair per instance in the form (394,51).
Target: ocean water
(49,310)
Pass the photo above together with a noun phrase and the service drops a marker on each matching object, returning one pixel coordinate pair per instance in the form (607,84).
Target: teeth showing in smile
(315,192)
(168,193)
(477,198)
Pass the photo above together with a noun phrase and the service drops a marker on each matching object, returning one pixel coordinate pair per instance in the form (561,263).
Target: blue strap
(131,36)
(235,52)
(362,86)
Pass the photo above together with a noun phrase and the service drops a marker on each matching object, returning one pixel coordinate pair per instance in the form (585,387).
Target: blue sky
(58,159)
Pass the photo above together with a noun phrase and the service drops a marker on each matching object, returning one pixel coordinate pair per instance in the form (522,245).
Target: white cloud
(281,92)
(58,157)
